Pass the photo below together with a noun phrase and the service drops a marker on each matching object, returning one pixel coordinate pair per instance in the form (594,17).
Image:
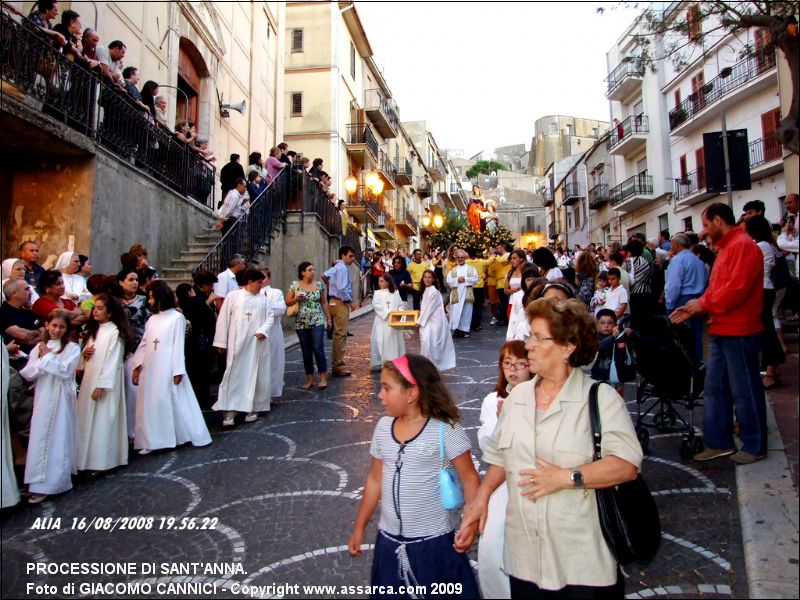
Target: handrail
(764,150)
(361,133)
(638,184)
(598,195)
(83,101)
(316,201)
(629,67)
(691,183)
(253,230)
(622,131)
(734,77)
(375,99)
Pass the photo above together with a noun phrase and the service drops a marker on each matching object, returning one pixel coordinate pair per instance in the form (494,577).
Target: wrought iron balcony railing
(641,184)
(387,166)
(630,126)
(361,133)
(598,195)
(632,66)
(690,184)
(374,99)
(764,150)
(82,100)
(729,80)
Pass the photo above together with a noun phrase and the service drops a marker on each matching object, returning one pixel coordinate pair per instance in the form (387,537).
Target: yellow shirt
(481,265)
(499,266)
(416,271)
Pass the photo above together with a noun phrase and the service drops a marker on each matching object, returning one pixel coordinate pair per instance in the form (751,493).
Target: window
(570,129)
(577,215)
(352,60)
(687,224)
(553,128)
(297,40)
(595,132)
(641,166)
(677,98)
(700,163)
(698,96)
(682,167)
(663,222)
(297,104)
(694,17)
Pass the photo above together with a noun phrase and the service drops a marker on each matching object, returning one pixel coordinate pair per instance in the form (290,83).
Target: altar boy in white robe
(387,342)
(167,412)
(277,353)
(243,328)
(435,339)
(460,280)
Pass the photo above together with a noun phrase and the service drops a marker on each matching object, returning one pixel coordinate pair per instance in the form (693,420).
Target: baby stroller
(671,376)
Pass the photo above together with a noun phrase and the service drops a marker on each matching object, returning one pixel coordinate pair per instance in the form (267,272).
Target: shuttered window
(297,40)
(297,104)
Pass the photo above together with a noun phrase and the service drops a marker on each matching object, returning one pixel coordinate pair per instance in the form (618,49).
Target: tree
(485,167)
(454,223)
(779,18)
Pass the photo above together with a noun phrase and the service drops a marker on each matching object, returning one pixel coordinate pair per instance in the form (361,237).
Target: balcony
(437,170)
(573,192)
(424,187)
(633,193)
(363,209)
(629,136)
(384,226)
(551,231)
(766,158)
(691,188)
(405,176)
(599,196)
(406,222)
(731,86)
(362,145)
(549,198)
(625,79)
(387,170)
(382,113)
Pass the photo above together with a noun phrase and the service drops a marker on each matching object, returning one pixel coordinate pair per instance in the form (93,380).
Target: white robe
(277,352)
(387,342)
(494,582)
(246,384)
(8,481)
(75,284)
(102,424)
(461,311)
(518,326)
(167,415)
(436,341)
(51,450)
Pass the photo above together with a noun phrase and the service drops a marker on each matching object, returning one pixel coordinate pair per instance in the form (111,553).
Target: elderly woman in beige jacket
(542,447)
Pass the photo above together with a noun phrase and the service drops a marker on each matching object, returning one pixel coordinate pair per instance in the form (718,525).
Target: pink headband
(401,364)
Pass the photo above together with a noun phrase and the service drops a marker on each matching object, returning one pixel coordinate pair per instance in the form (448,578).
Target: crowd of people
(100,364)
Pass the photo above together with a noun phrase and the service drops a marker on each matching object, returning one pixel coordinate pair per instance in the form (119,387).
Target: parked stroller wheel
(662,420)
(644,438)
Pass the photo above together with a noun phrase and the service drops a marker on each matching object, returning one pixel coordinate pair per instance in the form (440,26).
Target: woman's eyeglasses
(535,340)
(516,366)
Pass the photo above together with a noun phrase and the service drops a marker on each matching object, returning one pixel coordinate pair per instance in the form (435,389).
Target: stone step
(198,246)
(176,273)
(186,264)
(196,255)
(206,238)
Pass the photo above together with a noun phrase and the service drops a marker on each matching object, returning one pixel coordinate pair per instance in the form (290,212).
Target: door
(770,121)
(700,161)
(764,50)
(698,92)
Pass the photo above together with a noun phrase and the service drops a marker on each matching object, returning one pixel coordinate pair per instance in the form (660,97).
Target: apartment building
(339,107)
(557,136)
(660,115)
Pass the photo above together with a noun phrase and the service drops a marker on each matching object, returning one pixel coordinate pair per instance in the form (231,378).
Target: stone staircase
(180,271)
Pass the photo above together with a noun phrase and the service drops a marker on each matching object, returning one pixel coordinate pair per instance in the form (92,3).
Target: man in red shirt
(733,303)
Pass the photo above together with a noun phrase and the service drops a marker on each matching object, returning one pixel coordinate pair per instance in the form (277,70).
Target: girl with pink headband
(415,543)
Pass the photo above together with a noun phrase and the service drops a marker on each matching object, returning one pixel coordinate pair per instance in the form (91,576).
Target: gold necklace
(549,399)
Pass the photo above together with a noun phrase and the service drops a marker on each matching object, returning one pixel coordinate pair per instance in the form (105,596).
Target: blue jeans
(312,345)
(695,324)
(733,383)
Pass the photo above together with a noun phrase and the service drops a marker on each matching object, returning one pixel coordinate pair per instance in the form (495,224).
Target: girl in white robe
(519,328)
(277,352)
(52,364)
(436,341)
(9,495)
(167,412)
(102,422)
(387,342)
(513,370)
(243,327)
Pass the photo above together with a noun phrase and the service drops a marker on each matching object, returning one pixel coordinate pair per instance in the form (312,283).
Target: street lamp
(351,185)
(438,221)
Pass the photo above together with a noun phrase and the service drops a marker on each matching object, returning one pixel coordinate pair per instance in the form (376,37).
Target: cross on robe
(248,315)
(388,303)
(156,342)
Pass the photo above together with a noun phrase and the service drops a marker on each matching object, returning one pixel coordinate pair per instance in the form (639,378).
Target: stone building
(556,137)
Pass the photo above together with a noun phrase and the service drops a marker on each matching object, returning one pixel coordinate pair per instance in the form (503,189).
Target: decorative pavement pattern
(285,489)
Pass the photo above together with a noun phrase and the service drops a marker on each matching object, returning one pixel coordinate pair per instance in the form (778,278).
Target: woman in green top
(310,322)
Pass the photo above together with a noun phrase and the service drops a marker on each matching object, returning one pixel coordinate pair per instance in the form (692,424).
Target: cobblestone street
(285,491)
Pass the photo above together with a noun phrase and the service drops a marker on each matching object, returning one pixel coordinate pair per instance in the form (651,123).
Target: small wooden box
(403,319)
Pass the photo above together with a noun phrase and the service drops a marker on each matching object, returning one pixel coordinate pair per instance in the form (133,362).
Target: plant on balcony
(717,19)
(485,167)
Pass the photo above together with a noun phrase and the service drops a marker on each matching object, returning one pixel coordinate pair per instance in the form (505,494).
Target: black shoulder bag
(628,514)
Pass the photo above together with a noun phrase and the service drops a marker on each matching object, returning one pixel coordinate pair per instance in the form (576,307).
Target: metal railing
(424,186)
(361,199)
(572,189)
(764,150)
(628,127)
(316,201)
(404,168)
(405,216)
(598,195)
(361,133)
(734,77)
(83,101)
(638,184)
(354,240)
(549,197)
(385,221)
(633,66)
(375,98)
(387,166)
(551,231)
(252,232)
(690,184)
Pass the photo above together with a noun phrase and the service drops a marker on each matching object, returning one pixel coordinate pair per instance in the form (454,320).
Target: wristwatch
(577,479)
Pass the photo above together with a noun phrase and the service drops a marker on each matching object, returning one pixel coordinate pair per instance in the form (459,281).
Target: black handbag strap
(594,420)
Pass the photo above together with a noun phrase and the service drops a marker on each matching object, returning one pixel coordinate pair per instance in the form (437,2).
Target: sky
(481,73)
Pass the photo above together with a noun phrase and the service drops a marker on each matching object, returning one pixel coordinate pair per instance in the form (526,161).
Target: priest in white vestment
(102,423)
(387,342)
(277,352)
(460,280)
(9,491)
(436,341)
(167,412)
(243,328)
(50,462)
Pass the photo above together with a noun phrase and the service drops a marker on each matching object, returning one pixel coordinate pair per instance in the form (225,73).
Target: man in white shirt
(110,59)
(235,205)
(226,281)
